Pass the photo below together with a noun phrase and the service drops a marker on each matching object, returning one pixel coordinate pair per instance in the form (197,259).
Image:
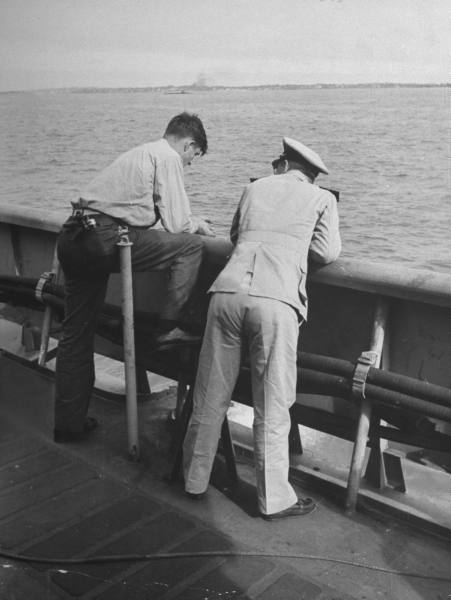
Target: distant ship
(200,84)
(177,92)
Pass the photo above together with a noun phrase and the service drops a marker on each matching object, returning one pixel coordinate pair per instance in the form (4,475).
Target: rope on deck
(212,553)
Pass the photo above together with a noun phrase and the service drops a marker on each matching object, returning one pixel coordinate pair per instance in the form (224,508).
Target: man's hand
(204,228)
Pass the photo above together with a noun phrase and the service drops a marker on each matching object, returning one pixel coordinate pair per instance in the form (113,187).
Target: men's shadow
(242,493)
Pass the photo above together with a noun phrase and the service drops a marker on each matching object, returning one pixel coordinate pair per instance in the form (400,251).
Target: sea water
(387,150)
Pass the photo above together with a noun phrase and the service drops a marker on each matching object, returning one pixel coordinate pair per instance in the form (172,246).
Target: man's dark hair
(188,125)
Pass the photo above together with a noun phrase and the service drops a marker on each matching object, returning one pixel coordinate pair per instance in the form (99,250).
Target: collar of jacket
(299,175)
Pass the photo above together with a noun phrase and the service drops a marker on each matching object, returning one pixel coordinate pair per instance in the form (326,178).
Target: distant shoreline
(187,89)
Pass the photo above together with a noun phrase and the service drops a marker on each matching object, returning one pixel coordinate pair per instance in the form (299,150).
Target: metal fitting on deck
(365,361)
(124,240)
(47,276)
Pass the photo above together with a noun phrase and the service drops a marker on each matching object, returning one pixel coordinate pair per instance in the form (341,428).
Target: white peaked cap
(291,147)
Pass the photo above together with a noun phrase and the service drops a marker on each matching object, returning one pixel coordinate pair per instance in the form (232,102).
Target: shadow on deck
(88,499)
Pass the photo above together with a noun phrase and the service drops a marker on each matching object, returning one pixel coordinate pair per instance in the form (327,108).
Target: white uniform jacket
(281,221)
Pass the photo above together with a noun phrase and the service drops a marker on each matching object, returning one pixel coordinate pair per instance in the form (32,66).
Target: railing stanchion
(47,320)
(129,342)
(358,454)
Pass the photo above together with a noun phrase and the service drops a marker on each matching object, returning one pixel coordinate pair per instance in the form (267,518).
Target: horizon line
(197,87)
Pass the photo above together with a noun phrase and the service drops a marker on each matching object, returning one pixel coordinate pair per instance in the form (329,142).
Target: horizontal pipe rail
(316,374)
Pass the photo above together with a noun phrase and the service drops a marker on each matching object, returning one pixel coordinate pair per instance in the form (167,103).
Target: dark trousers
(87,259)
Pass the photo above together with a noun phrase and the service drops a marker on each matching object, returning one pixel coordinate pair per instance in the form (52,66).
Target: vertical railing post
(375,471)
(47,320)
(358,454)
(125,245)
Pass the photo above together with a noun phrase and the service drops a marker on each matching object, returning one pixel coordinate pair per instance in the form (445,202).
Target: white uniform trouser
(269,328)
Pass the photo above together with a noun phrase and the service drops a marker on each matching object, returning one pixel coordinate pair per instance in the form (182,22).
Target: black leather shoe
(303,506)
(61,436)
(90,424)
(192,496)
(176,337)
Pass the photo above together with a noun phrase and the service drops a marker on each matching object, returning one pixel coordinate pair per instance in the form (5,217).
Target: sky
(141,43)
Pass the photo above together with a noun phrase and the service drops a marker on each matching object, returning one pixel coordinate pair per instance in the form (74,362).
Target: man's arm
(325,245)
(234,229)
(235,226)
(172,202)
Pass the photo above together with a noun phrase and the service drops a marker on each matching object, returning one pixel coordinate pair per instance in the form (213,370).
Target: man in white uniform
(258,302)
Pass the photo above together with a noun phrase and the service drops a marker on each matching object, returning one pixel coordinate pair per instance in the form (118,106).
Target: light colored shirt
(281,221)
(144,187)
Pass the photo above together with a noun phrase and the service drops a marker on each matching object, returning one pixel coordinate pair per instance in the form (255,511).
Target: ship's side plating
(345,312)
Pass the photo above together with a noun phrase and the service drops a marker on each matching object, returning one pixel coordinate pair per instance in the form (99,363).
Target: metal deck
(88,499)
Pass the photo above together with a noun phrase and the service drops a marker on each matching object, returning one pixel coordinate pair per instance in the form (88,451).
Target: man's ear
(285,165)
(188,143)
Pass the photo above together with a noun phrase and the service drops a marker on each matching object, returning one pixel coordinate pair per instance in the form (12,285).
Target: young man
(258,302)
(141,189)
